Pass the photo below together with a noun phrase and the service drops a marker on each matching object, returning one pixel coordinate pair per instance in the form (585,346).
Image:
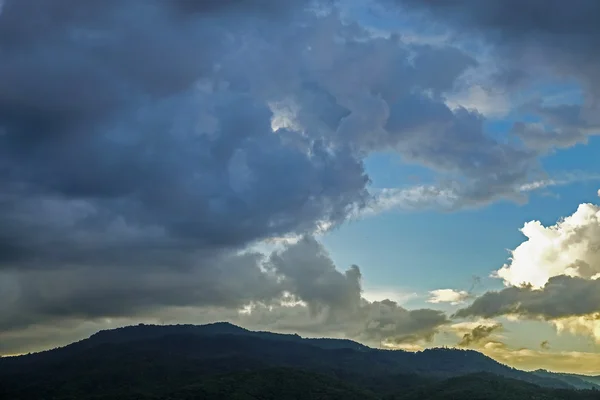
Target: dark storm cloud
(561,297)
(266,7)
(529,17)
(111,122)
(36,297)
(137,156)
(125,127)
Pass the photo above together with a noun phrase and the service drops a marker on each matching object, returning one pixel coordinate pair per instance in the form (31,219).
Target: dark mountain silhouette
(219,328)
(150,360)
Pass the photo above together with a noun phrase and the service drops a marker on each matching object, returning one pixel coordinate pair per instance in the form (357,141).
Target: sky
(404,173)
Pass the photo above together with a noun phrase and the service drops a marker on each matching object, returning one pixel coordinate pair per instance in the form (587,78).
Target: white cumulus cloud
(451,296)
(570,247)
(553,275)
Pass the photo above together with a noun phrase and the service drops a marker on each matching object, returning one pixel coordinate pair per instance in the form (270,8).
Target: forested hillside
(222,361)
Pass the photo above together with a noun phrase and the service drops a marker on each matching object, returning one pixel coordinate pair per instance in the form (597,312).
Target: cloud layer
(532,43)
(146,145)
(551,276)
(297,288)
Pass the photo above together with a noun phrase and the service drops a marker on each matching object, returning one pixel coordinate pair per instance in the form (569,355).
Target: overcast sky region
(403,173)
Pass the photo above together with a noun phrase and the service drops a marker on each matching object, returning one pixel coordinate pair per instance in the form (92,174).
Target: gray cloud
(570,124)
(371,322)
(386,321)
(561,297)
(533,42)
(545,345)
(555,25)
(478,334)
(266,7)
(316,279)
(519,16)
(295,289)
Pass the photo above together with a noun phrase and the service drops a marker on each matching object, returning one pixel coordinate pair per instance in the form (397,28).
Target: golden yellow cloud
(485,339)
(587,325)
(560,361)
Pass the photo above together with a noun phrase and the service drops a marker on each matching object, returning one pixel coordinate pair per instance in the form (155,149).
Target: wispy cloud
(562,179)
(416,197)
(427,197)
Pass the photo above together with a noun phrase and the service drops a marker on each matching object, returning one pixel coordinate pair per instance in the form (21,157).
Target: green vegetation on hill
(221,361)
(484,386)
(276,384)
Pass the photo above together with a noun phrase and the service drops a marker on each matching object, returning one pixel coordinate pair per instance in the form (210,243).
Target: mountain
(280,384)
(149,360)
(142,331)
(484,386)
(222,340)
(576,381)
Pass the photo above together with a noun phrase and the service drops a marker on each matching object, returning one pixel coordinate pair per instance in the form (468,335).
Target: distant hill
(577,381)
(149,360)
(484,386)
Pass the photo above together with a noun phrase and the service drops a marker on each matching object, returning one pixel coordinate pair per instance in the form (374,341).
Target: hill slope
(157,360)
(485,386)
(223,340)
(577,381)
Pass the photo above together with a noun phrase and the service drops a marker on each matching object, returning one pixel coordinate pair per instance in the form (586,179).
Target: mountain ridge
(224,347)
(222,327)
(225,361)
